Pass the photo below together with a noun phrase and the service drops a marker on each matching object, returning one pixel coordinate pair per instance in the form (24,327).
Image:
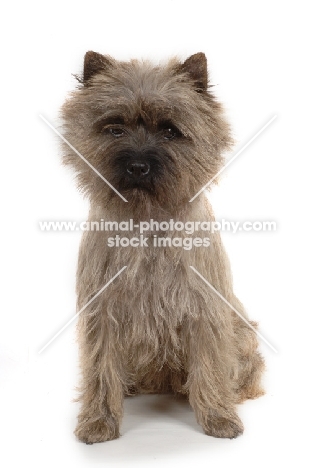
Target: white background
(258,59)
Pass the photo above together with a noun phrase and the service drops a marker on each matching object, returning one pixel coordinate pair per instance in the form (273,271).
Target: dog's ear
(196,67)
(94,63)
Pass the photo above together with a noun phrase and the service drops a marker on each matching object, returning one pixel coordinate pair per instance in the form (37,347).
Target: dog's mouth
(127,185)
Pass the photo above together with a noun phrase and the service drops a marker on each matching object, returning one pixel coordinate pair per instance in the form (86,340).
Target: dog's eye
(169,133)
(116,132)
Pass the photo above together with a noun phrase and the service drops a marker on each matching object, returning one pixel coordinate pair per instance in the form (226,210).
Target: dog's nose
(138,169)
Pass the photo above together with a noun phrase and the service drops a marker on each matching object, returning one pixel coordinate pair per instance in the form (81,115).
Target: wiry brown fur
(158,327)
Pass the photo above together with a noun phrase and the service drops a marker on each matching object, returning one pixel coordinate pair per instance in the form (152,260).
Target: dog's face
(154,132)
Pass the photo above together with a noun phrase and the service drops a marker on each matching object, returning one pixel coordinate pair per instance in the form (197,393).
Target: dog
(156,134)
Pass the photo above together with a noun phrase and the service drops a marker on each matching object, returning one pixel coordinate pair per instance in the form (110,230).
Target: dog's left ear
(196,67)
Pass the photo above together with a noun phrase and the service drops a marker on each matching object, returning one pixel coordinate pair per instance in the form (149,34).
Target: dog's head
(155,133)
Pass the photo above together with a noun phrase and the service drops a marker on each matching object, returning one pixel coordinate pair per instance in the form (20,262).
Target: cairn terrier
(157,135)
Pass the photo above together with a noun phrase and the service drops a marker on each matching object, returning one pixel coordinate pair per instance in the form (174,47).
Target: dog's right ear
(94,63)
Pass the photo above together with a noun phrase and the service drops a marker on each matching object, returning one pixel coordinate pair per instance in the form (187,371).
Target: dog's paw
(250,393)
(219,426)
(99,430)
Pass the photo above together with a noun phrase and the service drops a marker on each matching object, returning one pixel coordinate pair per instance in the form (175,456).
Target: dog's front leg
(101,388)
(209,385)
